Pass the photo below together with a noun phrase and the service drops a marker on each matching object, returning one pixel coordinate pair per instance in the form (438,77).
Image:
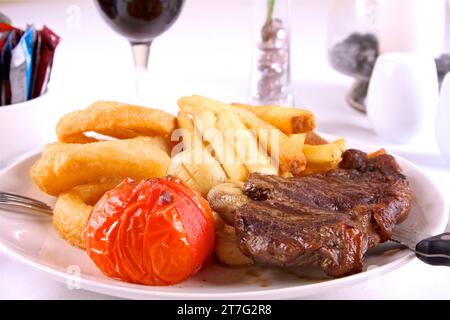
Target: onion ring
(73,208)
(114,119)
(63,166)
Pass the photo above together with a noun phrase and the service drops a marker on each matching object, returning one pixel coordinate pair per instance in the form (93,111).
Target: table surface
(208,53)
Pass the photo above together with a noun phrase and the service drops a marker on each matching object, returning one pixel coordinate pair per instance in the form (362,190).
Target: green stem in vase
(270,8)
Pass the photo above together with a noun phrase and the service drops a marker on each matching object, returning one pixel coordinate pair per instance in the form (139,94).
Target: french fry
(245,144)
(340,143)
(192,138)
(288,120)
(323,157)
(324,153)
(320,167)
(291,159)
(196,166)
(299,139)
(196,104)
(199,176)
(313,138)
(376,153)
(186,123)
(206,123)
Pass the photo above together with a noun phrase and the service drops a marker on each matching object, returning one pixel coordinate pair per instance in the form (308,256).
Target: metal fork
(22,204)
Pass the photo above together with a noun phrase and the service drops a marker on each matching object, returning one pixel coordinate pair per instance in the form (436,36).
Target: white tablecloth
(208,52)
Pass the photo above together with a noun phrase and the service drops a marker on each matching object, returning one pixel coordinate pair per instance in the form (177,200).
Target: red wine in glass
(140,21)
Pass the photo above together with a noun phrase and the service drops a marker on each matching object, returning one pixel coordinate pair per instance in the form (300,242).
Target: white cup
(443,119)
(24,128)
(403,96)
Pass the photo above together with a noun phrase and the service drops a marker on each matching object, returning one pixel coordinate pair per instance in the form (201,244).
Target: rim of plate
(89,283)
(129,288)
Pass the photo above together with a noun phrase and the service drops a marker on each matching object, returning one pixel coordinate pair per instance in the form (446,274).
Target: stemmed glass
(140,21)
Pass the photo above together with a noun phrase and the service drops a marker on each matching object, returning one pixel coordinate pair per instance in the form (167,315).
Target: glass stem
(141,52)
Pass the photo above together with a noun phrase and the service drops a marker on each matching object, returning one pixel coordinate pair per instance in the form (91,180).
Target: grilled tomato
(153,232)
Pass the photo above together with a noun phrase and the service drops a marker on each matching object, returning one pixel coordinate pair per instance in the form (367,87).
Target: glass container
(271,68)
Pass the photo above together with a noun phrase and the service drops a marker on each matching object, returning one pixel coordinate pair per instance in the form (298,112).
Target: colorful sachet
(26,59)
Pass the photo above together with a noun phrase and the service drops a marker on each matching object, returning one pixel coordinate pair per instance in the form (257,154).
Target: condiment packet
(36,62)
(6,27)
(8,39)
(3,38)
(49,42)
(20,71)
(26,60)
(4,18)
(5,60)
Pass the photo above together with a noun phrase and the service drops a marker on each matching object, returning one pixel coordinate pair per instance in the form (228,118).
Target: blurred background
(208,51)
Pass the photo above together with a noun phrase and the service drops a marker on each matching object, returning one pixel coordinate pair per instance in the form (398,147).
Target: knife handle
(435,250)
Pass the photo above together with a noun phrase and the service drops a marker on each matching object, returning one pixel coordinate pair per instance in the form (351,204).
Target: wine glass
(140,21)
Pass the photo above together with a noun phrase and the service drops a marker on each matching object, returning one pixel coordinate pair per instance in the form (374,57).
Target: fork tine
(23,199)
(23,208)
(23,204)
(19,202)
(13,195)
(28,203)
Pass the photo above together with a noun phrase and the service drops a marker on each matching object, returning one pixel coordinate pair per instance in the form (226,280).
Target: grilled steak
(328,219)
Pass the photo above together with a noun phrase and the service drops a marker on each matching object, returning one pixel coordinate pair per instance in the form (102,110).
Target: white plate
(32,240)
